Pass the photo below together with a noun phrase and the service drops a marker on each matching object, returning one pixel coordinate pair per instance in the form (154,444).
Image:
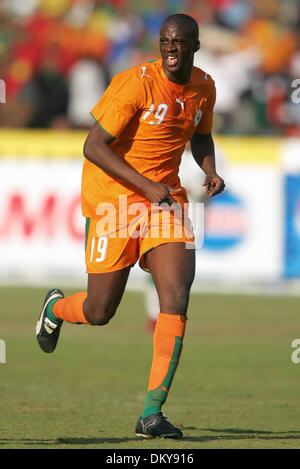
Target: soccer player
(132,156)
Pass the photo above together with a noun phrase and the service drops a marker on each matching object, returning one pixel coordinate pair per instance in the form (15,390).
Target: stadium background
(56,57)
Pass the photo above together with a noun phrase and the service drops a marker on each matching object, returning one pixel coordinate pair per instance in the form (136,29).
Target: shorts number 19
(101,247)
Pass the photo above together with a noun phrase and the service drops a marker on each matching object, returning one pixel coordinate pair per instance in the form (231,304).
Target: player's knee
(100,314)
(176,299)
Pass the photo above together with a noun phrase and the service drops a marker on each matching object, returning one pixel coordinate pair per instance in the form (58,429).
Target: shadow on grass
(246,431)
(64,441)
(242,434)
(228,434)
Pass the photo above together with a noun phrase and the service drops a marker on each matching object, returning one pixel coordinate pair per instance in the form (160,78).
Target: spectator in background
(47,94)
(87,81)
(255,85)
(232,69)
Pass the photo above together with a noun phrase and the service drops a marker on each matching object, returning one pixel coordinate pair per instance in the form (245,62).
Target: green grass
(236,386)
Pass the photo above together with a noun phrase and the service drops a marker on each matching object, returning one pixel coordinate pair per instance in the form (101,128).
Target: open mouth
(171,60)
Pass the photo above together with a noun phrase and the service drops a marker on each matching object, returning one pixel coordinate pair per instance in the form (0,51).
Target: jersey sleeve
(206,122)
(119,104)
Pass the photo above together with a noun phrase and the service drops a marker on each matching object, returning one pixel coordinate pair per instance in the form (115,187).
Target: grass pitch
(236,386)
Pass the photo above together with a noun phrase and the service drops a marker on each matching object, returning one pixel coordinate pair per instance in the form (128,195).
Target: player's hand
(214,185)
(159,193)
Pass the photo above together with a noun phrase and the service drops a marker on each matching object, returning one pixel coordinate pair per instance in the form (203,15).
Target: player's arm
(97,150)
(202,145)
(203,151)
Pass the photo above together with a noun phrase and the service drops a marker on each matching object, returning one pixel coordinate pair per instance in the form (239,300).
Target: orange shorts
(118,237)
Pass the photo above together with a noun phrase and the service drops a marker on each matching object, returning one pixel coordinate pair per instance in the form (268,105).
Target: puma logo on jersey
(180,102)
(144,74)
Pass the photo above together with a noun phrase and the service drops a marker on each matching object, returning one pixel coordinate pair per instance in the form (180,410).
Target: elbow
(95,143)
(91,150)
(87,149)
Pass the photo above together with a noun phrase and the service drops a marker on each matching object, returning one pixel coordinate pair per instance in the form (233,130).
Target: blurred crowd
(57,57)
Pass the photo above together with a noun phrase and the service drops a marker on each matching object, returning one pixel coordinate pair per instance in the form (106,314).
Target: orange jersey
(151,118)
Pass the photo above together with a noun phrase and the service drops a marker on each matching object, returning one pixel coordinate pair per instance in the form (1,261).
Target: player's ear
(197,46)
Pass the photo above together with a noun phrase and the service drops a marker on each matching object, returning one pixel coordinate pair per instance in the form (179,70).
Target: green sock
(157,397)
(50,313)
(154,400)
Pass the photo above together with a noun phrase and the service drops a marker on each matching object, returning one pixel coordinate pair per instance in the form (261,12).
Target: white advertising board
(42,230)
(41,227)
(243,227)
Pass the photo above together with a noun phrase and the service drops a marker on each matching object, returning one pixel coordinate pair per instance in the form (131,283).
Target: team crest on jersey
(198,116)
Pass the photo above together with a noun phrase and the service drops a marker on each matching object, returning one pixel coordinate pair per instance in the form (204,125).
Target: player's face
(177,48)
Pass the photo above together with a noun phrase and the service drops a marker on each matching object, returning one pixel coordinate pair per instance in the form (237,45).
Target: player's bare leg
(96,306)
(105,292)
(173,269)
(151,303)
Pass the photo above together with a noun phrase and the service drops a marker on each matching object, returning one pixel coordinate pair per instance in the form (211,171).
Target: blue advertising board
(292,226)
(225,222)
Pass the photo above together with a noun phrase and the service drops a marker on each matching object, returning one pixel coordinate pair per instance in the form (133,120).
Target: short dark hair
(188,21)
